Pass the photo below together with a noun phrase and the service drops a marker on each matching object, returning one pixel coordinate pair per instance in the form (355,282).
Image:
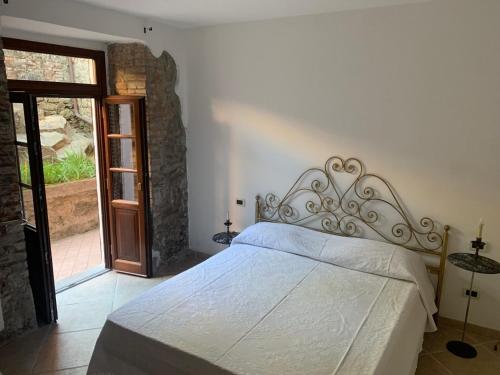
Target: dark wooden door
(32,189)
(126,183)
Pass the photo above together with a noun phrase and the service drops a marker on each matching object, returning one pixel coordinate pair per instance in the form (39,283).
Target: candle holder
(478,244)
(228,223)
(225,238)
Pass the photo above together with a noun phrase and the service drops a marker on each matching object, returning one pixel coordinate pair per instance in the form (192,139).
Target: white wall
(44,38)
(412,90)
(114,24)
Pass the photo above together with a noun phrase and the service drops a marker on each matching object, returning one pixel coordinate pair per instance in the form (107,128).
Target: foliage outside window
(72,168)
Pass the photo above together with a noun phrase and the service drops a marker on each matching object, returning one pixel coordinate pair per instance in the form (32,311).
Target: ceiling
(194,13)
(44,28)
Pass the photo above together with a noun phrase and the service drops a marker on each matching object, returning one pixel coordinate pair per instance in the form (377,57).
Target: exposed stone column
(133,70)
(15,290)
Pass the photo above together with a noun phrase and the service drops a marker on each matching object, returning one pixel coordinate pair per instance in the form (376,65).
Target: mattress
(272,303)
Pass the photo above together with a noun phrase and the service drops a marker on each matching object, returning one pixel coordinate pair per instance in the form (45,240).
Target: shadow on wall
(298,144)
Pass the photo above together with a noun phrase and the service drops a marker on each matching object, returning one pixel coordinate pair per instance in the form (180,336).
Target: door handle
(139,186)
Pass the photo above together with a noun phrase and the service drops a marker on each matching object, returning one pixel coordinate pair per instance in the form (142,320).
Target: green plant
(75,166)
(24,169)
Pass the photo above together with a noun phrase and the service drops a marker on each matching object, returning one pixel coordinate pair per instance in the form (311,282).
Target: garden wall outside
(72,207)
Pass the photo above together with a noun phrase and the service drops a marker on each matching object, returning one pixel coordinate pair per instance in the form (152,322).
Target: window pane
(66,129)
(120,119)
(34,66)
(24,165)
(28,209)
(122,152)
(19,122)
(124,186)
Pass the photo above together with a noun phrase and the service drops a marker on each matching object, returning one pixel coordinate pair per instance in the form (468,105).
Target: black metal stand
(461,348)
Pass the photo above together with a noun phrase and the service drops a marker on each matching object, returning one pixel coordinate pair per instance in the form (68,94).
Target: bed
(297,293)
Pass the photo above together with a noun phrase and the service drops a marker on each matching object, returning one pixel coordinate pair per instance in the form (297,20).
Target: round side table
(476,264)
(224,238)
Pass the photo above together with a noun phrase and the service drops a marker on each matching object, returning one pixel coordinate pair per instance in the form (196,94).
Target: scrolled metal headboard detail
(366,202)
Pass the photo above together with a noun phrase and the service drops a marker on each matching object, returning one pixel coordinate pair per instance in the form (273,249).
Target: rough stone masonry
(15,290)
(133,70)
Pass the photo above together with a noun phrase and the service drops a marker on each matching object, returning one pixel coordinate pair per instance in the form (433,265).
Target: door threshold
(75,280)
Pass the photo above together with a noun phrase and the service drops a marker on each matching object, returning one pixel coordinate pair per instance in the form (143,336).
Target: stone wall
(77,112)
(45,67)
(133,70)
(66,126)
(72,207)
(15,291)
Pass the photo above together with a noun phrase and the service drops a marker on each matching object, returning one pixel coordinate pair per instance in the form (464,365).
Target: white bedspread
(273,303)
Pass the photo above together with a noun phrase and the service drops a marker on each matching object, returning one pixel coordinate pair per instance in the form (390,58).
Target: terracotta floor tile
(484,364)
(435,342)
(19,356)
(427,365)
(66,350)
(75,254)
(477,334)
(483,337)
(491,348)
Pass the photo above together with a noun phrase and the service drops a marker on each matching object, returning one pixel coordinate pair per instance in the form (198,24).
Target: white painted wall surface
(412,90)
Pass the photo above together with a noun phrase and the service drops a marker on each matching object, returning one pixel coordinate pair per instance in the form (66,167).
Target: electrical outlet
(474,294)
(240,202)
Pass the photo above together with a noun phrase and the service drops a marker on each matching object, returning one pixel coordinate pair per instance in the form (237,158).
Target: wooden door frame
(95,91)
(142,167)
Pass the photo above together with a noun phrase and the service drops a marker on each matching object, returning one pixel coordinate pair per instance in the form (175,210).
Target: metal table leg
(461,348)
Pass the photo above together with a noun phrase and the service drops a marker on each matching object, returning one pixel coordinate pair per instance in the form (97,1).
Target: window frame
(66,89)
(22,185)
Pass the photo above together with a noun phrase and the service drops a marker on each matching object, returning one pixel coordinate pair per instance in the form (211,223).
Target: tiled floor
(436,360)
(75,254)
(66,348)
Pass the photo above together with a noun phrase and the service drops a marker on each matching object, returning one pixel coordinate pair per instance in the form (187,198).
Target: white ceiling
(44,28)
(193,13)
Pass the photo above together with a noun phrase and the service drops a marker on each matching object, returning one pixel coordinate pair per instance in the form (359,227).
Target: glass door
(32,190)
(125,156)
(68,133)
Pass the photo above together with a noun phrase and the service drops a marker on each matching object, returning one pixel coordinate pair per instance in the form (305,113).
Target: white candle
(227,217)
(480,229)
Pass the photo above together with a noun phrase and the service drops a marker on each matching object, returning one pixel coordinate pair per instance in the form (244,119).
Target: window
(28,212)
(40,68)
(34,66)
(66,82)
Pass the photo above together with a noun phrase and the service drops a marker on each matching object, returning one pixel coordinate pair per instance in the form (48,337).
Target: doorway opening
(56,95)
(83,161)
(70,166)
(67,128)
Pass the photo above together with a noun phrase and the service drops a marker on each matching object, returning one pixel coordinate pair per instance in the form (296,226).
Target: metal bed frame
(318,201)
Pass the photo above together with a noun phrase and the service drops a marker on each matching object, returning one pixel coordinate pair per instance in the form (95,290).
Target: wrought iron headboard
(354,210)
